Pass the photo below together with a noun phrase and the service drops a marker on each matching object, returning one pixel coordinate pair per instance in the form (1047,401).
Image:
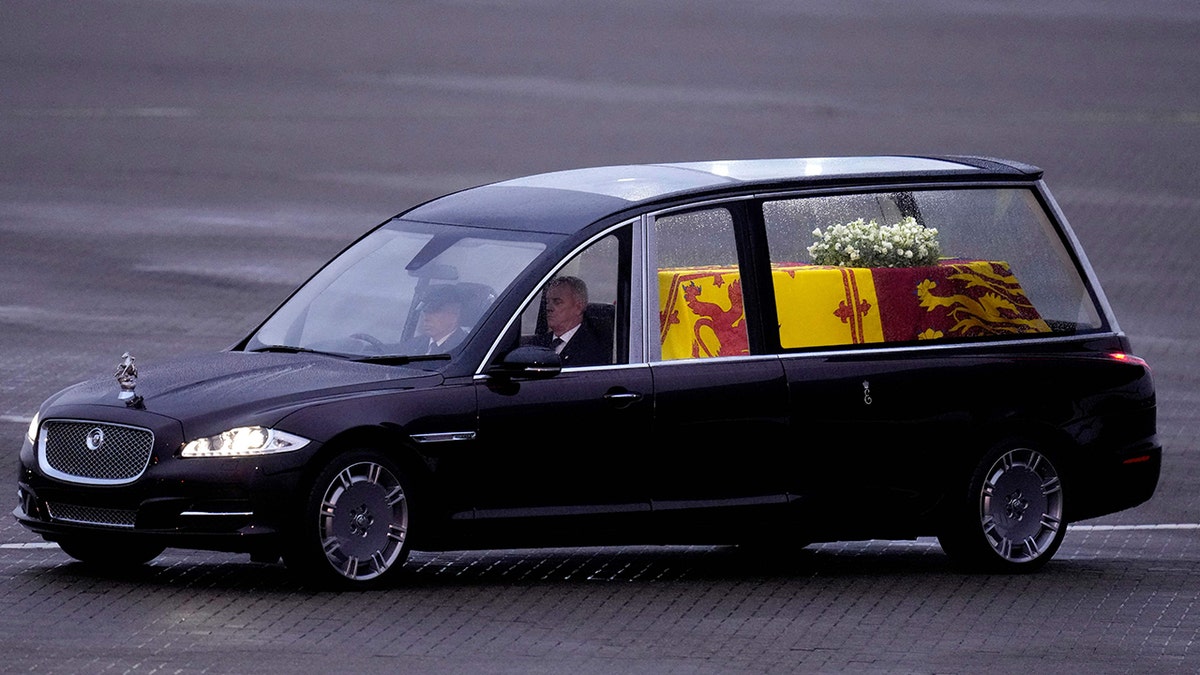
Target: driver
(438,328)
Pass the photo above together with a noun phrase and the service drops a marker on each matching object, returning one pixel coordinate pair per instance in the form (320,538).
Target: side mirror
(529,362)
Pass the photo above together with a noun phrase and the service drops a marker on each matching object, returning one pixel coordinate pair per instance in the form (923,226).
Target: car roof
(566,201)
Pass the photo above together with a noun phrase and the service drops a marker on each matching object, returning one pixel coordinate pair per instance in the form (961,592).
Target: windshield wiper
(386,359)
(401,359)
(288,349)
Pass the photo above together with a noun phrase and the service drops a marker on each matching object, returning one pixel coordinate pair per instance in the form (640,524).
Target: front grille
(91,515)
(97,453)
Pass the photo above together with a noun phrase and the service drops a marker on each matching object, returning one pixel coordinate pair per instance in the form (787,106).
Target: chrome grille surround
(94,453)
(91,515)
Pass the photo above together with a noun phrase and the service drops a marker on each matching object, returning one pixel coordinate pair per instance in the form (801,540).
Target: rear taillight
(1129,358)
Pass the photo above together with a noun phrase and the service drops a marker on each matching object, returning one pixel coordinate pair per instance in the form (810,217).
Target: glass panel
(399,289)
(699,286)
(999,268)
(579,307)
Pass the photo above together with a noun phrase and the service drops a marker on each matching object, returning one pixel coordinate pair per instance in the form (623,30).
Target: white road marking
(1116,528)
(39,544)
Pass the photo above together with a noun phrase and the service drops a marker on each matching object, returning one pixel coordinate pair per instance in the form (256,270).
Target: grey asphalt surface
(169,170)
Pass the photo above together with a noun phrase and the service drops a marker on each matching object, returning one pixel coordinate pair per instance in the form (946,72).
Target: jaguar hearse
(777,351)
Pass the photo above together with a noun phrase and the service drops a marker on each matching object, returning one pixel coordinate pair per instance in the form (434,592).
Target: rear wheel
(353,529)
(1011,519)
(106,553)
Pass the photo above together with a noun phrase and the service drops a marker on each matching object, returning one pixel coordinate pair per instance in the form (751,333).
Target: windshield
(406,289)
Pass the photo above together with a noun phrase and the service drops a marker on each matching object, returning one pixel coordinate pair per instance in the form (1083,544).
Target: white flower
(867,244)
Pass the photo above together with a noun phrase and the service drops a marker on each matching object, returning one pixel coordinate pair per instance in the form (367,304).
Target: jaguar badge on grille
(94,439)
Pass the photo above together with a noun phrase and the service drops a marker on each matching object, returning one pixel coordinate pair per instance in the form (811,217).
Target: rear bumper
(1128,477)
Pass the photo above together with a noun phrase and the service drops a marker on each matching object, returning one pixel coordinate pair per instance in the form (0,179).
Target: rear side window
(921,266)
(700,309)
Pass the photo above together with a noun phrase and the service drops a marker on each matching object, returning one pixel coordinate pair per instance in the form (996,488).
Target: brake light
(1129,358)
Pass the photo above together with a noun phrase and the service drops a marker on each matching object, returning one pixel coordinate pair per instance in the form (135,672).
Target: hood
(244,384)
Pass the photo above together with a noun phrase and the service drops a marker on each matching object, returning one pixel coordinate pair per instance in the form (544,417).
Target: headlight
(244,442)
(32,434)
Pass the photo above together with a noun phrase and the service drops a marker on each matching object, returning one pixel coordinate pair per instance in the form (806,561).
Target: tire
(352,532)
(104,553)
(1011,519)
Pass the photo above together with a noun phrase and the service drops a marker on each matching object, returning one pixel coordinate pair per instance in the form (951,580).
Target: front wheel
(1012,517)
(353,529)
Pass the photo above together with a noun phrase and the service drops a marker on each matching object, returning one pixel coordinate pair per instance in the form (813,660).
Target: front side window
(921,266)
(582,311)
(700,308)
(406,289)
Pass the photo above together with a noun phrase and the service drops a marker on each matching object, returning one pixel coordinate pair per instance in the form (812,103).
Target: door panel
(886,431)
(573,444)
(724,459)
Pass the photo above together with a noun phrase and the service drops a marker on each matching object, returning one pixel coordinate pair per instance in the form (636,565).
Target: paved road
(169,170)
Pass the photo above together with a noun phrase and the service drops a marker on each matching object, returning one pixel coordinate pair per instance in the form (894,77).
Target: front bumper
(222,504)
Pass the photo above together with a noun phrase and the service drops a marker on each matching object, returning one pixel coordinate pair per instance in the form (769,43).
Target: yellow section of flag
(828,306)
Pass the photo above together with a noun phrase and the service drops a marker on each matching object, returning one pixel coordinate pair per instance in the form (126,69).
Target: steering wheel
(369,339)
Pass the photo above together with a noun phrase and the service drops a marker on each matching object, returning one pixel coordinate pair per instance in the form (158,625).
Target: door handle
(622,399)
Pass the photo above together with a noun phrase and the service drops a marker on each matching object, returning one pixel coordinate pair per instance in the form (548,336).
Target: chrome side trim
(878,348)
(444,437)
(218,514)
(487,377)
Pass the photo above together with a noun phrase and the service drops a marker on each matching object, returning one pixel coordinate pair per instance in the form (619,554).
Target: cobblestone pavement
(170,170)
(1111,602)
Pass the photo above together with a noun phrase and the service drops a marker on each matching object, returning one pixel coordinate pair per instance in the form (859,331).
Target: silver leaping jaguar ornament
(127,377)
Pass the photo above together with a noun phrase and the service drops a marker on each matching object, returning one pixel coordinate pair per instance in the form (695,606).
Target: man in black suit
(438,328)
(575,341)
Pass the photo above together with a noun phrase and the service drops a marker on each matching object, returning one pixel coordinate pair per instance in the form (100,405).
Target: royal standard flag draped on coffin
(701,311)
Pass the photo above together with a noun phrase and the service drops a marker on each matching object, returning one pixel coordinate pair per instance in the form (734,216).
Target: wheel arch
(389,439)
(1048,438)
(393,443)
(997,537)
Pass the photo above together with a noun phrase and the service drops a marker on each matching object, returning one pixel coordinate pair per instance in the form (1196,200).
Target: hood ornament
(127,377)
